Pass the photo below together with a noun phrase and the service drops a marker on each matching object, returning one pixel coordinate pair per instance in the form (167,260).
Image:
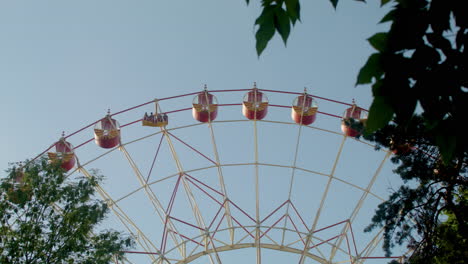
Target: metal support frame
(192,201)
(359,204)
(221,180)
(255,234)
(322,201)
(136,232)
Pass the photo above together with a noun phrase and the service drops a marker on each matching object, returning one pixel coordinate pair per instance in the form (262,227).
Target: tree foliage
(277,16)
(421,60)
(429,212)
(46,218)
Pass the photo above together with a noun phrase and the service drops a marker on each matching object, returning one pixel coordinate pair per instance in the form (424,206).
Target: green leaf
(334,3)
(264,34)
(266,16)
(377,88)
(380,113)
(64,235)
(266,29)
(379,41)
(371,69)
(384,2)
(388,17)
(298,11)
(282,24)
(293,9)
(447,145)
(247,1)
(439,15)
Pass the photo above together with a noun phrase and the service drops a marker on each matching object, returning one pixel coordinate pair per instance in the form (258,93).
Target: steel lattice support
(283,228)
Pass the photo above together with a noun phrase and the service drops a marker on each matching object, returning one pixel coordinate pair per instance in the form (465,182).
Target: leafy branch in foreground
(46,218)
(421,59)
(277,16)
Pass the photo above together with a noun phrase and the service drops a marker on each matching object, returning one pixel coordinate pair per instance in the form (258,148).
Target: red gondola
(255,104)
(353,116)
(205,107)
(304,109)
(107,132)
(64,154)
(401,148)
(19,192)
(19,177)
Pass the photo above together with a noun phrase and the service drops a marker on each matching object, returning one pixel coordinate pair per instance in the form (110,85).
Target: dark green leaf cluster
(277,16)
(429,212)
(422,59)
(46,218)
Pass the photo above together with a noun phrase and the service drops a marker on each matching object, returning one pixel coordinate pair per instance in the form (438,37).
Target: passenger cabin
(64,154)
(353,121)
(155,120)
(18,175)
(255,104)
(205,107)
(107,132)
(401,148)
(304,109)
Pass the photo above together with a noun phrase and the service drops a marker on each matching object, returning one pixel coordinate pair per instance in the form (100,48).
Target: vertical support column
(293,173)
(257,195)
(222,184)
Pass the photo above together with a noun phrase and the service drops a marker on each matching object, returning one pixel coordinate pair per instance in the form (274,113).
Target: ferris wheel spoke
(272,240)
(327,188)
(349,249)
(154,159)
(153,200)
(359,204)
(257,196)
(322,201)
(248,233)
(370,247)
(322,255)
(227,208)
(145,243)
(125,260)
(59,209)
(367,251)
(291,183)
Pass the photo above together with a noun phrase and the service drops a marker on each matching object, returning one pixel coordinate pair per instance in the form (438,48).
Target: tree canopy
(429,212)
(47,218)
(421,60)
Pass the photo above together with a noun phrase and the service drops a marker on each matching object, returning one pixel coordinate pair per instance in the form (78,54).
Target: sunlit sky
(64,63)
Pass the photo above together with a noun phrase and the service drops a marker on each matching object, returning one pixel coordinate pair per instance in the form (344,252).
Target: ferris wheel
(250,176)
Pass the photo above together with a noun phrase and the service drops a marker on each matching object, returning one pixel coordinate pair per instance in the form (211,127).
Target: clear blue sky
(64,63)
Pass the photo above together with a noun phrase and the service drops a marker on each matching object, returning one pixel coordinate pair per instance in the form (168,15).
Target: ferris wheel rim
(233,164)
(184,95)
